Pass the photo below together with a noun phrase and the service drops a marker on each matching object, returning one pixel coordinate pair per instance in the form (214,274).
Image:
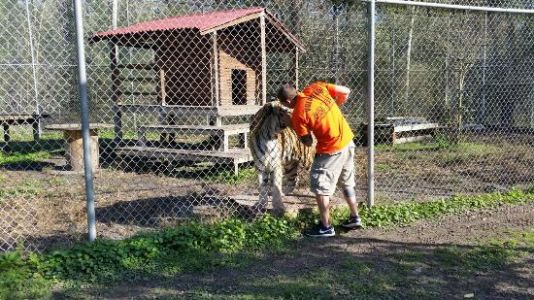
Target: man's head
(287,94)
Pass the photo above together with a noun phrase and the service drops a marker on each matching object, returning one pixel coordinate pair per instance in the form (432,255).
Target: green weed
(391,277)
(26,189)
(21,158)
(199,247)
(229,177)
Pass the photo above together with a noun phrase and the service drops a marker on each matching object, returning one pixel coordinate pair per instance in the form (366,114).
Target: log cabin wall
(228,83)
(239,49)
(185,59)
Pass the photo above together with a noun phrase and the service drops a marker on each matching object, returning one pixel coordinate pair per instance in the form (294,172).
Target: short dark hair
(284,91)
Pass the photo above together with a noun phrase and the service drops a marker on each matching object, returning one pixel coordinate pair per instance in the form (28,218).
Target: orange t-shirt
(316,111)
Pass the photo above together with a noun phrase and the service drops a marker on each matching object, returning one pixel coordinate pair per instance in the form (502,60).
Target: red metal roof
(201,22)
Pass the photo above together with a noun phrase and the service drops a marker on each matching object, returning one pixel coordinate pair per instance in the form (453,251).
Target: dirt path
(435,259)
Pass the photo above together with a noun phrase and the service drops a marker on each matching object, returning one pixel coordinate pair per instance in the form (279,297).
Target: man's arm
(299,124)
(307,140)
(338,92)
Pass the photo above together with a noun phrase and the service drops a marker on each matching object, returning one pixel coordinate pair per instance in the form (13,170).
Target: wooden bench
(422,131)
(399,130)
(221,133)
(74,143)
(7,120)
(232,157)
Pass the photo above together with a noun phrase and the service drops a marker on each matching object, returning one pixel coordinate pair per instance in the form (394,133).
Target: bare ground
(40,208)
(416,261)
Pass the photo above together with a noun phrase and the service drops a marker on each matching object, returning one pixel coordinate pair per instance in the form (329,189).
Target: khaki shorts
(328,170)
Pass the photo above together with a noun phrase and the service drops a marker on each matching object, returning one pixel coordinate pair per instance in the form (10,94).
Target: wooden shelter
(211,65)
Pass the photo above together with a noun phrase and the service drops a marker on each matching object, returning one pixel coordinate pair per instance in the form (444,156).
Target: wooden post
(243,137)
(236,169)
(7,136)
(116,93)
(162,92)
(263,61)
(36,128)
(297,68)
(163,120)
(215,70)
(142,137)
(75,149)
(215,120)
(226,142)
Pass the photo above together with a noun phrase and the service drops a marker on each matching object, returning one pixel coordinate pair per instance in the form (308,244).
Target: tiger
(279,155)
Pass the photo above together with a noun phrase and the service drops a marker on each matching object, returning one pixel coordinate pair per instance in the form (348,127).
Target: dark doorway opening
(239,87)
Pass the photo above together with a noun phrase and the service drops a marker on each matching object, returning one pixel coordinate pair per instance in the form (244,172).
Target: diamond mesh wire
(171,101)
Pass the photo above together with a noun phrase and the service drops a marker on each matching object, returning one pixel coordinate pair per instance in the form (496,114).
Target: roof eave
(280,26)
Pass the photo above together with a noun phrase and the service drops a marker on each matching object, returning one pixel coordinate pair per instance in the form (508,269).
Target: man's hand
(307,140)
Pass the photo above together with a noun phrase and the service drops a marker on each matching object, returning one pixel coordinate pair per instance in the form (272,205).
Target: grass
(26,189)
(196,247)
(229,177)
(440,153)
(23,158)
(392,275)
(466,148)
(23,151)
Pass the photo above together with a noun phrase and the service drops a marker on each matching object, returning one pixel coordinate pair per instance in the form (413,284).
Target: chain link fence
(173,86)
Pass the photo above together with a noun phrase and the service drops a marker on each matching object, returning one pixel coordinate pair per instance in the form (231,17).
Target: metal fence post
(371,106)
(84,103)
(37,132)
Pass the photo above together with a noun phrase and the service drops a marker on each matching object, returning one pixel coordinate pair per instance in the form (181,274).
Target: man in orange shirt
(316,111)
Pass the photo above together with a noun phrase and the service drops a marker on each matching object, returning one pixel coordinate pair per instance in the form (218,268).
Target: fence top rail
(456,6)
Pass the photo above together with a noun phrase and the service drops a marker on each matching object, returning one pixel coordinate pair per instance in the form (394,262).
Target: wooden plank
(237,110)
(231,156)
(199,129)
(232,23)
(410,139)
(263,61)
(136,93)
(137,66)
(22,118)
(180,110)
(77,126)
(414,127)
(139,79)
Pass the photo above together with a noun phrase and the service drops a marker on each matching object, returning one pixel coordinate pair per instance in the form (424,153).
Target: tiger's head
(271,119)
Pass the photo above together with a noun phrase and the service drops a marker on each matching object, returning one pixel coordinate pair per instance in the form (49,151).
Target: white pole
(114,14)
(263,61)
(482,116)
(297,67)
(371,107)
(84,103)
(215,60)
(454,6)
(337,46)
(34,73)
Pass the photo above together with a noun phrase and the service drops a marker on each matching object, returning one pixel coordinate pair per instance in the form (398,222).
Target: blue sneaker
(352,222)
(320,231)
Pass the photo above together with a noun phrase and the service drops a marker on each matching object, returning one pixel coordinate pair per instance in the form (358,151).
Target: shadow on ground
(161,210)
(349,268)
